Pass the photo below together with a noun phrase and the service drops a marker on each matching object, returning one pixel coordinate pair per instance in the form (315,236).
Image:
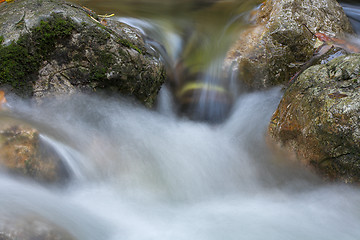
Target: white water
(143,175)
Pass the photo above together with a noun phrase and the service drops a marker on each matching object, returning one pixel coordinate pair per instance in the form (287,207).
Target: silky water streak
(151,175)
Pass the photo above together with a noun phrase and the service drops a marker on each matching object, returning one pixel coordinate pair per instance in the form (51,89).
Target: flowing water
(142,174)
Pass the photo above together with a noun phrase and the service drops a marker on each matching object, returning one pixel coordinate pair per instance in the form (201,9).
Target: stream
(142,174)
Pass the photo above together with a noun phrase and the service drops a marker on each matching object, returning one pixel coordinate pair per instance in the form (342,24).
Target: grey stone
(50,48)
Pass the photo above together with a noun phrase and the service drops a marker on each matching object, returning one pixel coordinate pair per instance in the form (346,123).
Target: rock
(51,48)
(275,48)
(30,228)
(23,153)
(318,119)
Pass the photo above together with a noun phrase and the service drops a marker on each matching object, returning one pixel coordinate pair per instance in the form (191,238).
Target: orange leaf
(323,37)
(103,22)
(2,98)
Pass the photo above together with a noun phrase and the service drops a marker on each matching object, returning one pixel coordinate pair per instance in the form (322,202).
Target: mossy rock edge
(50,48)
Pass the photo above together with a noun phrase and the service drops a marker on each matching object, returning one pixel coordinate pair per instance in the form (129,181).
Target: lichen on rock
(279,43)
(318,119)
(53,47)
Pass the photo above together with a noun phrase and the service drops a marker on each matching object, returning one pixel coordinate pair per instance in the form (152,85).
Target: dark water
(352,10)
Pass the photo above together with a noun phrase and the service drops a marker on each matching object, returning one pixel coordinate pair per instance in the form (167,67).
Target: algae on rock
(53,47)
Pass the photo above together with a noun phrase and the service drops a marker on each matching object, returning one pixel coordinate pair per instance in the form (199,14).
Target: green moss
(96,34)
(102,26)
(47,33)
(21,59)
(16,65)
(120,40)
(104,61)
(128,44)
(1,39)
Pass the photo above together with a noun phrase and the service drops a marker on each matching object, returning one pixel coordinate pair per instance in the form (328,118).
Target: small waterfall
(194,54)
(155,176)
(72,159)
(165,103)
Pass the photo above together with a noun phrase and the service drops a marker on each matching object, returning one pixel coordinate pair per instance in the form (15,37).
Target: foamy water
(141,174)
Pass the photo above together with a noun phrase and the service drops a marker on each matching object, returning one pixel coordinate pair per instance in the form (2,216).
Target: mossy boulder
(271,51)
(22,152)
(54,47)
(318,119)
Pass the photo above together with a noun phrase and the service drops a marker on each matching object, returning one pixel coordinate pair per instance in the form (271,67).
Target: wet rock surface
(30,228)
(23,153)
(50,48)
(279,44)
(318,119)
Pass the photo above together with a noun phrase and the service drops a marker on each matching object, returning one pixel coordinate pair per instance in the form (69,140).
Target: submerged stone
(318,119)
(279,43)
(50,48)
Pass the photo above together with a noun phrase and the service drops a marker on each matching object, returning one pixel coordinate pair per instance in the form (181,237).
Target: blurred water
(353,12)
(151,175)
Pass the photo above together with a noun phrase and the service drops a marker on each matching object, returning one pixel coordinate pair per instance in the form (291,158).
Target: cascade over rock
(318,119)
(23,153)
(51,48)
(278,45)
